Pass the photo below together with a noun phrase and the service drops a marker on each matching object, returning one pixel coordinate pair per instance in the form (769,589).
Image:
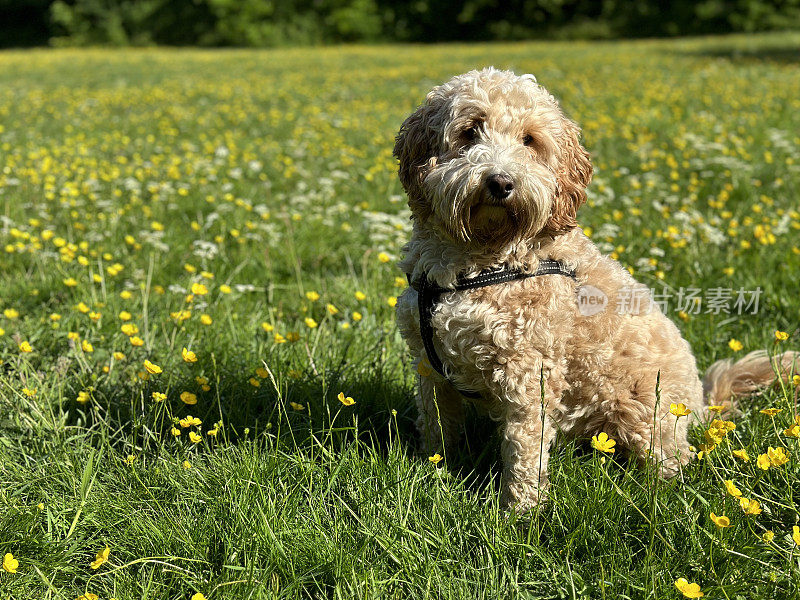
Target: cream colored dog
(495,174)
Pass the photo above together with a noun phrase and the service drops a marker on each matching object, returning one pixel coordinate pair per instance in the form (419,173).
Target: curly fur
(540,365)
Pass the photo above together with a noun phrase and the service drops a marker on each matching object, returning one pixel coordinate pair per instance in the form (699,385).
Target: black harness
(428,295)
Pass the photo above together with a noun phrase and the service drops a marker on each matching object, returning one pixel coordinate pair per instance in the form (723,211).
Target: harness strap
(428,295)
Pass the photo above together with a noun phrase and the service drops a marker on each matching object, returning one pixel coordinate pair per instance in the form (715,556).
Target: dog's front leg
(527,435)
(441,414)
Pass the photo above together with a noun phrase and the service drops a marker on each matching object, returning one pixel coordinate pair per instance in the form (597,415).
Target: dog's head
(490,159)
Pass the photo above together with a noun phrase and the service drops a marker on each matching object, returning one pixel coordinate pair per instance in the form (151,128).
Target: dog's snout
(500,186)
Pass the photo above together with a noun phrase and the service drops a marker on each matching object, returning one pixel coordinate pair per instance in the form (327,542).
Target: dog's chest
(478,332)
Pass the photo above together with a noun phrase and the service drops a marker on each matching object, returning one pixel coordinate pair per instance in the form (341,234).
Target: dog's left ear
(574,174)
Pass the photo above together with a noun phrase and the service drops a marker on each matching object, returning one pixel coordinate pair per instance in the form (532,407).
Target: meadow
(197,271)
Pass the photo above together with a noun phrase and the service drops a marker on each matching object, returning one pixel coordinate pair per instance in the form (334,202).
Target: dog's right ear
(416,149)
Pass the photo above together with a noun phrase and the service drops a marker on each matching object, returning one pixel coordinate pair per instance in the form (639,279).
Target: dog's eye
(527,139)
(470,134)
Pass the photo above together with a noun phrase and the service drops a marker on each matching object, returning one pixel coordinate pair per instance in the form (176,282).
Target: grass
(127,177)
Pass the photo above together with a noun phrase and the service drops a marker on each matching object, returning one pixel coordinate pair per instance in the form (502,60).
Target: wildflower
(279,339)
(25,346)
(188,356)
(40,506)
(83,397)
(101,558)
(118,356)
(254,382)
(689,590)
(796,534)
(750,507)
(225,289)
(763,462)
(777,456)
(346,400)
(194,438)
(81,306)
(796,380)
(716,408)
(603,443)
(768,536)
(720,521)
(188,398)
(206,319)
(267,327)
(731,488)
(297,406)
(152,368)
(357,316)
(11,313)
(793,430)
(189,420)
(198,289)
(292,336)
(88,596)
(770,411)
(781,335)
(129,329)
(741,454)
(130,459)
(159,396)
(10,564)
(384,258)
(198,596)
(392,301)
(136,341)
(436,458)
(125,316)
(86,346)
(186,465)
(310,323)
(262,372)
(735,345)
(213,431)
(30,393)
(679,410)
(312,295)
(175,431)
(332,310)
(70,282)
(360,296)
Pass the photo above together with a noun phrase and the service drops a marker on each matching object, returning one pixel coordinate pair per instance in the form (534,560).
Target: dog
(495,173)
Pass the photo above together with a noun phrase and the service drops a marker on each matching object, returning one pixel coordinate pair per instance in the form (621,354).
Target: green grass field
(244,205)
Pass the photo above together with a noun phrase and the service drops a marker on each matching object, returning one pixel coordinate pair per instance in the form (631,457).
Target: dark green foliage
(288,22)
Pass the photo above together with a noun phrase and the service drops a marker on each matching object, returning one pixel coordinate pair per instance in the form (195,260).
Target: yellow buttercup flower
(770,411)
(731,488)
(206,319)
(777,456)
(720,521)
(102,557)
(346,400)
(198,289)
(11,564)
(750,507)
(188,398)
(312,295)
(679,410)
(25,347)
(796,534)
(310,323)
(603,443)
(436,458)
(768,536)
(360,296)
(86,346)
(718,408)
(159,396)
(735,345)
(194,438)
(152,368)
(198,596)
(689,590)
(741,454)
(763,462)
(188,356)
(781,335)
(136,341)
(297,406)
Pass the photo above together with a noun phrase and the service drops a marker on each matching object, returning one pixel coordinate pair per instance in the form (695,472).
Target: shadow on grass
(787,54)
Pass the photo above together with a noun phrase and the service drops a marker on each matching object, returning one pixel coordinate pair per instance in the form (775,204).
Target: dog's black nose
(500,186)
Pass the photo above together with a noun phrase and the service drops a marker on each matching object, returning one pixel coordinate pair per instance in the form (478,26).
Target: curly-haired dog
(495,174)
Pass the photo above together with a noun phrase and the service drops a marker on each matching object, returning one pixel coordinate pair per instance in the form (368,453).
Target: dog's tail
(726,380)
